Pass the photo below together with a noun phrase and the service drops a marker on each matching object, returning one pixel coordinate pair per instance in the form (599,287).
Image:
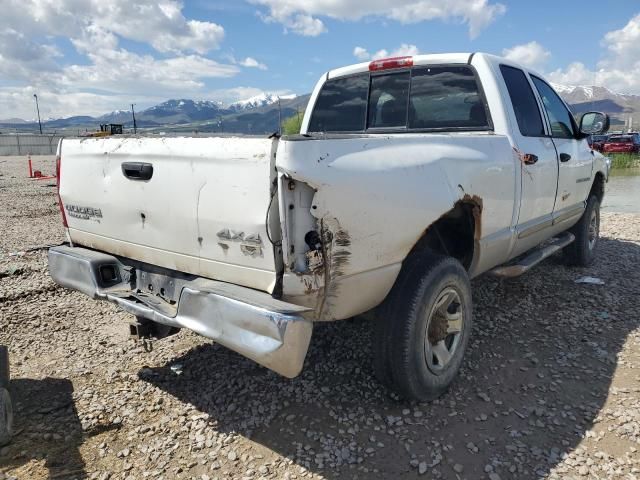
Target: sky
(90,57)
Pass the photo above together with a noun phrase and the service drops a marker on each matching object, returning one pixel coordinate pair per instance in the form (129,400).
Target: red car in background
(596,142)
(626,143)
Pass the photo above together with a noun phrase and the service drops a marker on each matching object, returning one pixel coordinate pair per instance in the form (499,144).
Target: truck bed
(203,211)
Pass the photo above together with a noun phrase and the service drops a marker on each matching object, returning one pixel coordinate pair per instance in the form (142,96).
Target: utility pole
(135,127)
(38,110)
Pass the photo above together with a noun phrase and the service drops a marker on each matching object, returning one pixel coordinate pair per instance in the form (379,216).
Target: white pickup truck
(410,176)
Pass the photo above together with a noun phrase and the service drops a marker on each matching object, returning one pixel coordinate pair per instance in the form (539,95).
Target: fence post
(18,143)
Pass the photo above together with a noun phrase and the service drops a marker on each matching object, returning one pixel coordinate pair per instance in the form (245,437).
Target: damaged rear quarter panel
(376,195)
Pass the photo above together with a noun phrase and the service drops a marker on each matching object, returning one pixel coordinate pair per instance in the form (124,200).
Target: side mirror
(594,123)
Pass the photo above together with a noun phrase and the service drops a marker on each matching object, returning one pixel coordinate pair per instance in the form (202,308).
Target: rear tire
(587,232)
(423,328)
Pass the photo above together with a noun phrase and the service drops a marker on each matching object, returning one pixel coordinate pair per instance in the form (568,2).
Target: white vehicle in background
(410,176)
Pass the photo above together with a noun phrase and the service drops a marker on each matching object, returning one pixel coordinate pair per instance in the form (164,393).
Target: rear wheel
(587,232)
(423,328)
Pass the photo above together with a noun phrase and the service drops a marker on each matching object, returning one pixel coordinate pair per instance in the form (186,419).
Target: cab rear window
(443,97)
(341,105)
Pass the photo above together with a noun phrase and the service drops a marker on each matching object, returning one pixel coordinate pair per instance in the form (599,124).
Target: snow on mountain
(117,116)
(586,93)
(184,104)
(259,100)
(585,98)
(563,90)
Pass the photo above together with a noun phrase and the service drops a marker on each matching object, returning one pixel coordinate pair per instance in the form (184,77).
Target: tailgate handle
(137,170)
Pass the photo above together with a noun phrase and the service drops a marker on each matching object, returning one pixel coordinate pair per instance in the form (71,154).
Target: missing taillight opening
(58,178)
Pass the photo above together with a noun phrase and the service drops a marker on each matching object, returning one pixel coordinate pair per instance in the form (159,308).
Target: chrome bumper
(270,332)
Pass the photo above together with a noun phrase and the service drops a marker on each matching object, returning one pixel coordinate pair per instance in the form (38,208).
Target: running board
(524,263)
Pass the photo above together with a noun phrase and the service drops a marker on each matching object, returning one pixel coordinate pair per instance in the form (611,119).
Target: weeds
(624,160)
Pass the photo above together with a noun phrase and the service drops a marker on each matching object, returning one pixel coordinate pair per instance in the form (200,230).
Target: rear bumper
(273,333)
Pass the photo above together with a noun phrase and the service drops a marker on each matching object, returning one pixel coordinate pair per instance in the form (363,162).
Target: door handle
(137,170)
(530,158)
(565,157)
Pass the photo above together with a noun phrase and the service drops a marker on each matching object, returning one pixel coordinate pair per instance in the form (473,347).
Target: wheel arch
(455,233)
(597,187)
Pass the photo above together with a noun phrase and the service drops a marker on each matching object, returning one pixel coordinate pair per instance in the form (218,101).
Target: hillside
(257,114)
(585,98)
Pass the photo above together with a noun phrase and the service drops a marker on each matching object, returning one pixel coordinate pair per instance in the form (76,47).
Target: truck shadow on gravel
(536,376)
(46,429)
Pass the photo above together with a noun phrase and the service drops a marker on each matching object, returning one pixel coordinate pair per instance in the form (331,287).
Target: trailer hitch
(146,331)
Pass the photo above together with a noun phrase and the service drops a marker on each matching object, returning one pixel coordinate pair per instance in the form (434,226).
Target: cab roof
(428,59)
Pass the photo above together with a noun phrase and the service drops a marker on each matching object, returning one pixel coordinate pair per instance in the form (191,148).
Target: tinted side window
(341,105)
(445,97)
(388,100)
(559,116)
(524,102)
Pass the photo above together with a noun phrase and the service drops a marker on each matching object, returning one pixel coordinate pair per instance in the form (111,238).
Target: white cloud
(403,50)
(108,75)
(361,53)
(251,62)
(574,74)
(20,57)
(619,69)
(160,24)
(532,54)
(17,102)
(143,73)
(301,16)
(624,44)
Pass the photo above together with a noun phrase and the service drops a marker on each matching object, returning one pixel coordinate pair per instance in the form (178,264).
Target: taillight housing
(58,177)
(389,63)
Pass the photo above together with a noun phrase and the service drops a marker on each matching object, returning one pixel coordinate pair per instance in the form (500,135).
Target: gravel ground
(550,387)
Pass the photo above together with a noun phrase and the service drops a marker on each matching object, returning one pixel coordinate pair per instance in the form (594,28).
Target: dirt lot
(550,387)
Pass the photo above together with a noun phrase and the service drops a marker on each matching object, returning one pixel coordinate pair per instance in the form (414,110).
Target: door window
(524,102)
(560,118)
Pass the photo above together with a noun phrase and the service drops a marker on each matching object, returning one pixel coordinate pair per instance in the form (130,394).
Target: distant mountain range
(619,106)
(260,114)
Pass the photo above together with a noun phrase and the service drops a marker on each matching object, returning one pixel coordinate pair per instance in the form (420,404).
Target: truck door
(576,158)
(536,155)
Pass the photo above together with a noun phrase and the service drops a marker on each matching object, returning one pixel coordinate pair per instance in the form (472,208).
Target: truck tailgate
(203,210)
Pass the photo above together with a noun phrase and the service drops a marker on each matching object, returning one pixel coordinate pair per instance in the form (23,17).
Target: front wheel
(587,232)
(423,328)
